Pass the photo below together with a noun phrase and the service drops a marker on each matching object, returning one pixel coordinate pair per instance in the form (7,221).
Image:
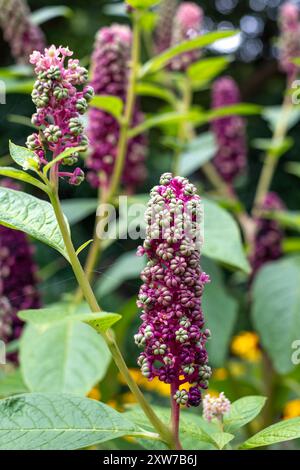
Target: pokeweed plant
(172,334)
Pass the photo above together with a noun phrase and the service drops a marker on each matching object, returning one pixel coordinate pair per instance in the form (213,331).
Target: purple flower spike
(18,282)
(290,37)
(23,36)
(269,235)
(172,334)
(231,157)
(59,107)
(163,34)
(187,25)
(110,77)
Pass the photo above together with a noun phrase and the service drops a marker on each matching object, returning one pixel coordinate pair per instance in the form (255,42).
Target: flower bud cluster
(215,407)
(289,42)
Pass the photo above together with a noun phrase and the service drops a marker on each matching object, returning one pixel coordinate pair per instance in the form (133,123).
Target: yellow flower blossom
(220,374)
(237,369)
(291,409)
(94,394)
(246,346)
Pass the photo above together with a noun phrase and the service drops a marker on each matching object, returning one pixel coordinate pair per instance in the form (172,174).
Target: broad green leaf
(273,114)
(202,72)
(127,266)
(156,91)
(33,216)
(70,357)
(280,432)
(13,71)
(222,238)
(293,168)
(12,383)
(20,175)
(241,109)
(275,310)
(162,119)
(110,104)
(48,13)
(277,149)
(76,210)
(287,219)
(24,157)
(142,3)
(243,411)
(51,317)
(220,310)
(199,151)
(51,421)
(160,61)
(24,86)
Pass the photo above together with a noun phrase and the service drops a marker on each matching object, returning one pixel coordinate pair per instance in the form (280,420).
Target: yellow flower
(127,398)
(94,394)
(246,346)
(237,369)
(220,374)
(291,409)
(154,385)
(212,393)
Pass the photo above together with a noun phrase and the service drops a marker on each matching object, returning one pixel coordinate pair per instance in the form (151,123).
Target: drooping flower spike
(215,407)
(289,43)
(269,235)
(110,68)
(172,333)
(60,98)
(23,36)
(18,281)
(187,25)
(231,157)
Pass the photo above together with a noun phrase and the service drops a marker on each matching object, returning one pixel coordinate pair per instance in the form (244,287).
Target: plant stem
(184,129)
(125,123)
(85,286)
(175,415)
(271,160)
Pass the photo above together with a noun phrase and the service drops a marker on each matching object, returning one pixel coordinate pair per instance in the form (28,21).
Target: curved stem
(85,286)
(271,160)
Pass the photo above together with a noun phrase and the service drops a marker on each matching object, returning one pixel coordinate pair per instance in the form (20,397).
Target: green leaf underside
(68,358)
(242,412)
(48,13)
(110,104)
(275,311)
(20,175)
(199,151)
(33,216)
(283,431)
(21,155)
(58,422)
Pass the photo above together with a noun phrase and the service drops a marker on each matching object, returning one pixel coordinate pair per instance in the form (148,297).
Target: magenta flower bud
(231,157)
(18,281)
(289,43)
(60,99)
(163,33)
(269,235)
(172,333)
(187,25)
(23,36)
(110,69)
(215,407)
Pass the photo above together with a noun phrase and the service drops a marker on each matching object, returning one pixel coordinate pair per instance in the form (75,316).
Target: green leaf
(280,432)
(13,71)
(33,216)
(222,238)
(142,3)
(20,120)
(83,246)
(162,119)
(277,149)
(241,109)
(70,357)
(76,210)
(12,384)
(110,104)
(23,156)
(155,91)
(293,168)
(42,15)
(202,72)
(199,151)
(53,421)
(243,411)
(287,219)
(24,86)
(65,154)
(51,317)
(220,314)
(127,266)
(275,311)
(160,61)
(273,114)
(20,175)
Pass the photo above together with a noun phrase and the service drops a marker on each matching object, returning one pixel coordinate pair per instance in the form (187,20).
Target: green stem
(271,160)
(85,286)
(184,129)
